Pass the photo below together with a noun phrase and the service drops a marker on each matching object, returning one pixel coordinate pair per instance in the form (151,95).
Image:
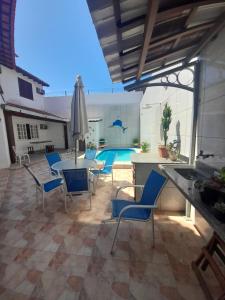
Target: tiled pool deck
(54,255)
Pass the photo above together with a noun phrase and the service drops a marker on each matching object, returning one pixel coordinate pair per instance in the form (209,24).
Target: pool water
(121,154)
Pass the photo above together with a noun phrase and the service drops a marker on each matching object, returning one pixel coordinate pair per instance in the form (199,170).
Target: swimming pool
(121,154)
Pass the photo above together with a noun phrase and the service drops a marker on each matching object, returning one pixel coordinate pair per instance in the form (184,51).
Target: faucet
(201,154)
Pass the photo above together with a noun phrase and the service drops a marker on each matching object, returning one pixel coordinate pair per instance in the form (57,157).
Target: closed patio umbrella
(79,121)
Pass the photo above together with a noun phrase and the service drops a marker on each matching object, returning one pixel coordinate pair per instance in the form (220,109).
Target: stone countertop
(188,189)
(152,158)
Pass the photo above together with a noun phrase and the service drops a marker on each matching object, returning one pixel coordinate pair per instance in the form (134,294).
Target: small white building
(24,120)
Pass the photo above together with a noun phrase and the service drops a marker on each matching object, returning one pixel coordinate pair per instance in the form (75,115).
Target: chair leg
(20,160)
(109,220)
(43,200)
(28,157)
(65,203)
(90,199)
(115,236)
(37,200)
(153,230)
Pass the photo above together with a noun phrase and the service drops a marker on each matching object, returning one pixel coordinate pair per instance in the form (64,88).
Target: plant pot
(172,155)
(163,151)
(136,145)
(209,196)
(218,215)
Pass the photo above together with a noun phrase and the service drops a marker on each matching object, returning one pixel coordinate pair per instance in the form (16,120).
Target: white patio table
(70,164)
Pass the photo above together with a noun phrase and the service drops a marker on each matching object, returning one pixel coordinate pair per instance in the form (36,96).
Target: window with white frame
(22,132)
(34,131)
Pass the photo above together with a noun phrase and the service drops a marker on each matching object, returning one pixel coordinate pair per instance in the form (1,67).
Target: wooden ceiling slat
(163,16)
(169,34)
(160,57)
(207,37)
(166,14)
(149,25)
(173,37)
(188,21)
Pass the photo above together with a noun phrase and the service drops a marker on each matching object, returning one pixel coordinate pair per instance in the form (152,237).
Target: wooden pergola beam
(207,37)
(172,37)
(189,19)
(159,57)
(117,12)
(166,14)
(181,34)
(149,26)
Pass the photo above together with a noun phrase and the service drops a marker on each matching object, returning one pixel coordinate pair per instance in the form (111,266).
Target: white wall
(54,133)
(109,107)
(211,126)
(151,108)
(60,105)
(9,84)
(4,149)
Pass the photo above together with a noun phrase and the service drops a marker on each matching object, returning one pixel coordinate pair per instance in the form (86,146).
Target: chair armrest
(137,206)
(126,186)
(52,180)
(44,172)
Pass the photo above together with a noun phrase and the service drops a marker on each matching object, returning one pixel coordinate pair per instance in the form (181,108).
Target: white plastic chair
(20,156)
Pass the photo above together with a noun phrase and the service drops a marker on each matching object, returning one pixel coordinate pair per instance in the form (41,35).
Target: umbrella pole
(76,142)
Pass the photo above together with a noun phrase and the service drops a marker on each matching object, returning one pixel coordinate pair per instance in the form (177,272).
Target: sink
(189,173)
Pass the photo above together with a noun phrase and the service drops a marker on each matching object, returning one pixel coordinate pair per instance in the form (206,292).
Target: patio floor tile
(53,255)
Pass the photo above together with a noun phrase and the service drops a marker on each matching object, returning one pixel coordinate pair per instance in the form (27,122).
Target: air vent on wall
(43,126)
(40,91)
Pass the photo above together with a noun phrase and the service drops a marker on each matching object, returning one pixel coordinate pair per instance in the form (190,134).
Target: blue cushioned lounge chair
(44,187)
(76,181)
(142,210)
(52,158)
(90,154)
(108,166)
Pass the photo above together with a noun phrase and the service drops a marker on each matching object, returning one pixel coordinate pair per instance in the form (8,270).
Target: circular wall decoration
(185,77)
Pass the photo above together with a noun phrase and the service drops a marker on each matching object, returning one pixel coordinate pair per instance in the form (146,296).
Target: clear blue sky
(55,40)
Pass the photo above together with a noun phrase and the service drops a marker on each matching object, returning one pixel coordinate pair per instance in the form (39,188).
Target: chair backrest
(152,188)
(33,175)
(90,154)
(76,180)
(109,161)
(52,158)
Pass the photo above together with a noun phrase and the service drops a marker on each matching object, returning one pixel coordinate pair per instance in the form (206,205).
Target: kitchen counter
(171,199)
(152,158)
(188,189)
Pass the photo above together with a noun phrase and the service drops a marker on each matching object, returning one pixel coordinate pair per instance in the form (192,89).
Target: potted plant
(136,143)
(219,211)
(91,146)
(102,143)
(165,123)
(144,147)
(172,150)
(219,178)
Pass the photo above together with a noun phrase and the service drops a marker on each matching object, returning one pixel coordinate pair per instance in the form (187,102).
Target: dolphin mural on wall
(119,124)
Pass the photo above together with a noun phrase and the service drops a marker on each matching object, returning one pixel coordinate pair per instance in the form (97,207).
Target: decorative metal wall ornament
(118,124)
(178,79)
(173,79)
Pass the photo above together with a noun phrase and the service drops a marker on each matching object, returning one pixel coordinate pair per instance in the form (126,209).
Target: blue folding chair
(44,187)
(76,181)
(108,166)
(52,158)
(142,210)
(90,154)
